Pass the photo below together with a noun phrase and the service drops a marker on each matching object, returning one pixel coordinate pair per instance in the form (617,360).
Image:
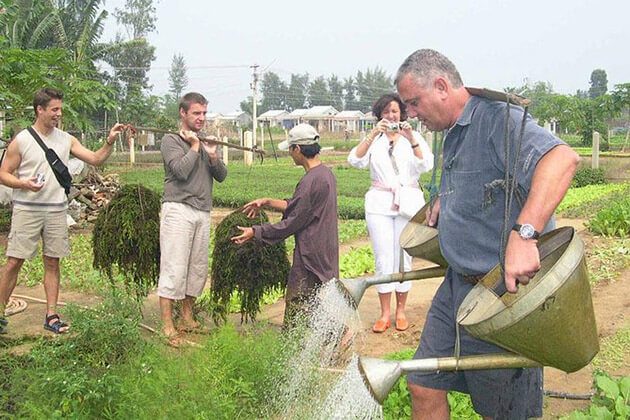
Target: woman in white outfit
(396,156)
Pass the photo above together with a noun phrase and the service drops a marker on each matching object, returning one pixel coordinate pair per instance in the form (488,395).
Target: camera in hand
(40,178)
(393,126)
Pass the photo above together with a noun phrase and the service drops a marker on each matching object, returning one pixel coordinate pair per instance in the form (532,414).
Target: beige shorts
(184,241)
(28,226)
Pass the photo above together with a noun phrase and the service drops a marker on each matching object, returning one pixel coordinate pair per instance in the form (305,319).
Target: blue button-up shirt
(472,197)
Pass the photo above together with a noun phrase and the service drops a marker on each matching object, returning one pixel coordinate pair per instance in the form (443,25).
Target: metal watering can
(420,240)
(380,375)
(549,322)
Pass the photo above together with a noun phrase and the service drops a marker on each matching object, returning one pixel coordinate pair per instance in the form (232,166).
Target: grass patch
(614,351)
(76,269)
(273,179)
(349,230)
(113,372)
(606,258)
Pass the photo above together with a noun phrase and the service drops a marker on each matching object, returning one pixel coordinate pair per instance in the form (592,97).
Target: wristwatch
(526,231)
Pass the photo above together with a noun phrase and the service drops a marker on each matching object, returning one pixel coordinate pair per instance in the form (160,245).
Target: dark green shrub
(613,220)
(350,208)
(588,176)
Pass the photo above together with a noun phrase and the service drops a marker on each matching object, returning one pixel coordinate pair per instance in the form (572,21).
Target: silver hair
(425,65)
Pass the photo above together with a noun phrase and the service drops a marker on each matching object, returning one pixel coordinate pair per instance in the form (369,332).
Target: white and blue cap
(301,134)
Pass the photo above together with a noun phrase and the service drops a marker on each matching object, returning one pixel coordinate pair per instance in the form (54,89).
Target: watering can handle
(499,289)
(545,247)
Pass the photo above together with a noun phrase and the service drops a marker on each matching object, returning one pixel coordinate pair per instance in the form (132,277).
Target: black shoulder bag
(59,168)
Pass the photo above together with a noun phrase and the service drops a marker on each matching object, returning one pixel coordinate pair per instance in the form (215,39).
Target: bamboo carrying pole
(254,149)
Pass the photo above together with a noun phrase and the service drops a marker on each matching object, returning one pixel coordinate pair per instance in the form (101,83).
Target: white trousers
(385,237)
(184,239)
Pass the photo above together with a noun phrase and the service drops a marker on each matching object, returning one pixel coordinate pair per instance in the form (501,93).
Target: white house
(274,117)
(348,120)
(237,118)
(320,117)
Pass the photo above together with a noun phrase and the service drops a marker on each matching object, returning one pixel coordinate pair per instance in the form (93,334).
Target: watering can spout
(379,376)
(353,289)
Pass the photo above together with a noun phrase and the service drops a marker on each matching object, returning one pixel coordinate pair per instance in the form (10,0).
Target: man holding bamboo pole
(190,167)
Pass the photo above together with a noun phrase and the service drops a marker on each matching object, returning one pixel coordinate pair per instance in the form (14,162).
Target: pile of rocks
(90,195)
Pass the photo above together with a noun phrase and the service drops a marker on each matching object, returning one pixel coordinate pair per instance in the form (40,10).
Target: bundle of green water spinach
(249,270)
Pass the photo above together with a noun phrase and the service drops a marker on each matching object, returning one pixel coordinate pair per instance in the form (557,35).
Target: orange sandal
(381,326)
(402,324)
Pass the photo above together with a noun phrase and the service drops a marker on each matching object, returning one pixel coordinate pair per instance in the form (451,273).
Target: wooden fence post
(225,151)
(248,157)
(595,158)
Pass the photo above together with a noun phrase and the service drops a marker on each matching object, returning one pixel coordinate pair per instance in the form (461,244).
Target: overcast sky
(494,43)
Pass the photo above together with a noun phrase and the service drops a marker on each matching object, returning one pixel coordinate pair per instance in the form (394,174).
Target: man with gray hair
(470,207)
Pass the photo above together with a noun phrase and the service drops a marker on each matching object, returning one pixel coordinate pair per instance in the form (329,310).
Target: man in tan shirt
(39,201)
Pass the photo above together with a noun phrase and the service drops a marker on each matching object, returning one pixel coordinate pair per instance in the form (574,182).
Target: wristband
(413,146)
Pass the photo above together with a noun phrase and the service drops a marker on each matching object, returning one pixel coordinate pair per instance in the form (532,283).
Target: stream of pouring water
(322,378)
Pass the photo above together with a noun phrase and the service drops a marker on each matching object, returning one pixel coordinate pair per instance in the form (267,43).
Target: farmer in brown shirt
(310,215)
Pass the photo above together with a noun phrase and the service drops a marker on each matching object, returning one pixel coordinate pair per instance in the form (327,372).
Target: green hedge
(588,176)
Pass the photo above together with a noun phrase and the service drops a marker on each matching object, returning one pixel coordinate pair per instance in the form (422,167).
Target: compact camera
(40,178)
(393,126)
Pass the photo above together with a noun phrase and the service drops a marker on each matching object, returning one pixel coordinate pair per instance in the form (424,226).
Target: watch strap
(517,228)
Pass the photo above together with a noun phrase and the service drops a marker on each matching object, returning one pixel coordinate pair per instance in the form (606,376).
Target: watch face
(527,231)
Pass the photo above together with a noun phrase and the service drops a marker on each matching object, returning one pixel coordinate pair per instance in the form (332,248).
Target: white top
(379,200)
(52,196)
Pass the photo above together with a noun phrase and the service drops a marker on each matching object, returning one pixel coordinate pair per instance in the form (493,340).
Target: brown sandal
(402,324)
(381,326)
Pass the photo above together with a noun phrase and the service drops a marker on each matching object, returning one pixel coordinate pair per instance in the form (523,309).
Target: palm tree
(79,26)
(25,23)
(74,25)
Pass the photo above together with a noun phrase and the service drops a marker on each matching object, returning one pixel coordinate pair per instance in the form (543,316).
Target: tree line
(356,92)
(585,111)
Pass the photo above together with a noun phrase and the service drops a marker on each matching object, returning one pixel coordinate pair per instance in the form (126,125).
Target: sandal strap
(55,326)
(51,317)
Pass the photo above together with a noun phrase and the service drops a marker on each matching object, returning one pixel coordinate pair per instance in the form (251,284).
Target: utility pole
(254,86)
